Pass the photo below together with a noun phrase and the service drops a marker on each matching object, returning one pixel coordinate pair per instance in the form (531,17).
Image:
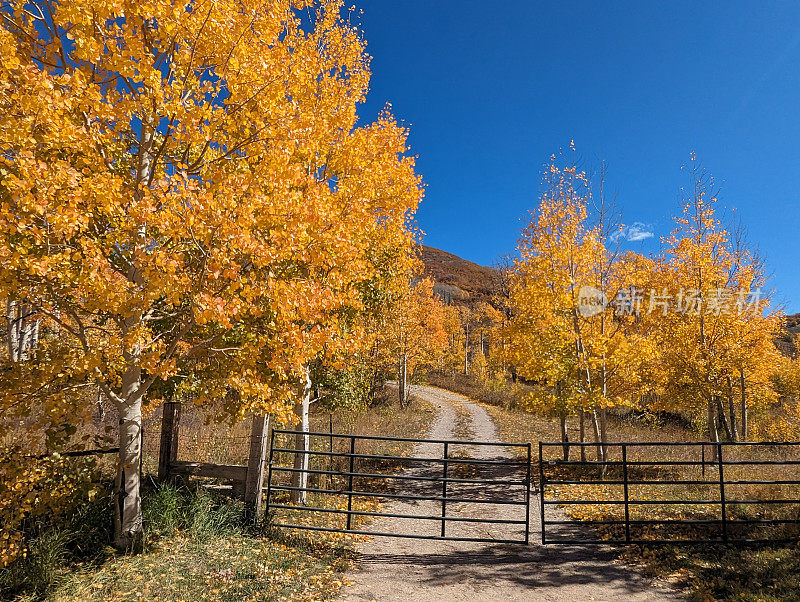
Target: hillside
(458,280)
(788,341)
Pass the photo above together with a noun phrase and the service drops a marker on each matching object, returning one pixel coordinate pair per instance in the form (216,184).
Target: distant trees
(402,326)
(414,333)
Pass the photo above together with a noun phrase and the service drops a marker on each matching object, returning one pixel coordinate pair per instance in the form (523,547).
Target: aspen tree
(184,184)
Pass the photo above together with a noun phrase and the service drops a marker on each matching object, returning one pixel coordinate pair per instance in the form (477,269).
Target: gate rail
(443,496)
(623,467)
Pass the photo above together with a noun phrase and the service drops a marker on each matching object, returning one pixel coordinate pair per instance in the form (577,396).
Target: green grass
(53,546)
(196,512)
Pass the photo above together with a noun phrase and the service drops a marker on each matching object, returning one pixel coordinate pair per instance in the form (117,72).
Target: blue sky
(491,90)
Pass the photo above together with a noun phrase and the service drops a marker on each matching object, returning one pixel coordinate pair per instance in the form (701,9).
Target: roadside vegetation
(197,545)
(179,223)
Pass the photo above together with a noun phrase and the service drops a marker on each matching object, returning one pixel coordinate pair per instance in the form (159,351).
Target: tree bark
(582,415)
(713,434)
(466,351)
(598,436)
(604,432)
(742,387)
(302,441)
(128,532)
(402,379)
(405,379)
(732,411)
(564,436)
(22,330)
(723,419)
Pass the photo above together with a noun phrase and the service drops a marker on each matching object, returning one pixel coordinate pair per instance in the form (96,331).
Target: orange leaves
(414,324)
(560,254)
(36,488)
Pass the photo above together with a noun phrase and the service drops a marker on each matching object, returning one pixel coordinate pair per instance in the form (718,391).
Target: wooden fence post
(168,448)
(255,467)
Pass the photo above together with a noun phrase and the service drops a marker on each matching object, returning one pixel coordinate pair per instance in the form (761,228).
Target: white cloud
(634,233)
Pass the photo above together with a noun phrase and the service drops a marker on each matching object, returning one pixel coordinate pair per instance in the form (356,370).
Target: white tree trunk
(402,379)
(303,443)
(466,351)
(742,386)
(128,533)
(582,426)
(22,330)
(598,436)
(405,379)
(604,432)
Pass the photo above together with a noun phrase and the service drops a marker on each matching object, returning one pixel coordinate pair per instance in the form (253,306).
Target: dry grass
(383,420)
(463,423)
(527,427)
(235,567)
(202,439)
(203,552)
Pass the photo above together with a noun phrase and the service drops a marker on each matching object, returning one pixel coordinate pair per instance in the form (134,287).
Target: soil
(431,570)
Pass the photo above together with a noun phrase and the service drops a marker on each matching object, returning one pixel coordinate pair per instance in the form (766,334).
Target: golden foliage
(690,330)
(186,199)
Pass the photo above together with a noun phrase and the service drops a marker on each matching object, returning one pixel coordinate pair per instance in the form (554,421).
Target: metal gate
(438,492)
(671,492)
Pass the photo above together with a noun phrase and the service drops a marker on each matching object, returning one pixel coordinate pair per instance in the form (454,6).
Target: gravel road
(429,570)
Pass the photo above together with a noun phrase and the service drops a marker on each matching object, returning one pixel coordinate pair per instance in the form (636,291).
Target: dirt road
(427,570)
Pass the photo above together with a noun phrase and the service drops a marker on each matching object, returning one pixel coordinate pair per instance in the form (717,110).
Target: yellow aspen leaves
(186,193)
(688,330)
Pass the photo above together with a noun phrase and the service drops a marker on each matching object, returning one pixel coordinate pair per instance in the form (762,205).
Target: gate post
(350,482)
(625,486)
(255,467)
(528,498)
(541,492)
(444,489)
(168,447)
(269,469)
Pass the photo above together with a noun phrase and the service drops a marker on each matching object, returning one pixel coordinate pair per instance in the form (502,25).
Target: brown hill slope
(787,342)
(458,280)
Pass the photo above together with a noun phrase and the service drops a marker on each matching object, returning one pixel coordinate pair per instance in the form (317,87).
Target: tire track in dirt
(411,570)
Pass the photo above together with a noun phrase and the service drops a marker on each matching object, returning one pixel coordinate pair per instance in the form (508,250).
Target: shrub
(171,508)
(38,491)
(52,541)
